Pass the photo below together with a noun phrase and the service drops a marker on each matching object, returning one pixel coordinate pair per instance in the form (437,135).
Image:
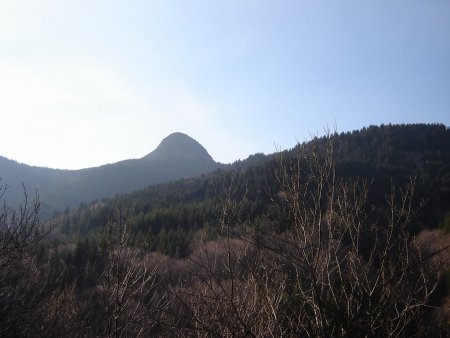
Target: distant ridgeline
(177,156)
(384,155)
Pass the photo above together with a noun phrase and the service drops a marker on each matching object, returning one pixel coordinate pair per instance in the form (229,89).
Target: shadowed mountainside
(177,156)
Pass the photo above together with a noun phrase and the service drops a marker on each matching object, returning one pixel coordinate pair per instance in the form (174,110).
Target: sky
(90,82)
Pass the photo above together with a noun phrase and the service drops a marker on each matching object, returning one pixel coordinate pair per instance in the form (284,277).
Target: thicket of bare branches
(334,271)
(353,275)
(132,302)
(29,304)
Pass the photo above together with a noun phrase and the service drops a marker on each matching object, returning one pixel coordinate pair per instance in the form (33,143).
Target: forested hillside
(341,236)
(382,155)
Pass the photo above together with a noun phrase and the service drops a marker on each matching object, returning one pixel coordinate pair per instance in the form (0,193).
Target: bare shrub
(235,290)
(29,304)
(131,301)
(333,270)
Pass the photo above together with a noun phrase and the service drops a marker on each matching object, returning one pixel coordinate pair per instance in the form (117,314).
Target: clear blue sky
(84,83)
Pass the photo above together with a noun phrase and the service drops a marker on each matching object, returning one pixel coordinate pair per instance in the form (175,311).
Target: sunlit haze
(85,83)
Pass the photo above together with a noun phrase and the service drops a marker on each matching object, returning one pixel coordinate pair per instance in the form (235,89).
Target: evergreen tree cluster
(383,155)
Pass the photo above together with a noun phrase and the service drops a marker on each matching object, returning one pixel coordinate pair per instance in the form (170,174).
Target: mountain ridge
(166,144)
(177,156)
(179,145)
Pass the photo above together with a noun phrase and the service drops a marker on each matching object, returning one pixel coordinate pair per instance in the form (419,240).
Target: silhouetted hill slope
(181,147)
(384,154)
(177,156)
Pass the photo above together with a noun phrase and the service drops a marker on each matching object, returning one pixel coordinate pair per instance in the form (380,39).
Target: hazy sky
(84,83)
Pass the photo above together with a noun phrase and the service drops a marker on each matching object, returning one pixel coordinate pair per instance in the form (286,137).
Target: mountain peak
(181,147)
